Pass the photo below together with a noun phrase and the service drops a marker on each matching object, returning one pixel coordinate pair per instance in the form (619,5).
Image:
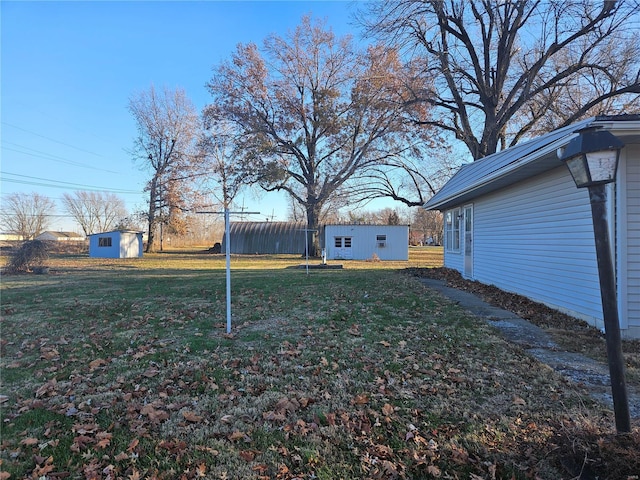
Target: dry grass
(118,369)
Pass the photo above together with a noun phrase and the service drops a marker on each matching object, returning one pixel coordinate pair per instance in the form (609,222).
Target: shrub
(31,255)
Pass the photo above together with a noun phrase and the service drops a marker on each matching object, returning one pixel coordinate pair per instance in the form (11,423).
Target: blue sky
(68,70)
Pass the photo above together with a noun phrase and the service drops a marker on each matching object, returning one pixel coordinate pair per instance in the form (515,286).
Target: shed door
(343,248)
(468,241)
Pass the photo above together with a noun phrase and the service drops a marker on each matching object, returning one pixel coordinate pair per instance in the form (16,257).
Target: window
(381,240)
(452,230)
(104,241)
(342,242)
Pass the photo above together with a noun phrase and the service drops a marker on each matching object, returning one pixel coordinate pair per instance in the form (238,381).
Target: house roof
(523,161)
(62,235)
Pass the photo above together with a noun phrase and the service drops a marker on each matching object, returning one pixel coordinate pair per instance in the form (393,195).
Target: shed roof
(136,232)
(523,161)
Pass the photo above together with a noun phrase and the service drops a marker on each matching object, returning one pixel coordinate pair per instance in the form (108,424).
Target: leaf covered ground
(126,372)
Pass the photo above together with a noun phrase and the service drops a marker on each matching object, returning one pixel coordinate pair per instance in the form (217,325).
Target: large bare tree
(95,211)
(27,214)
(167,125)
(314,112)
(508,69)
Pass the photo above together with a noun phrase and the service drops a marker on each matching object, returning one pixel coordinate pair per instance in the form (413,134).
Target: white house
(516,220)
(116,244)
(51,236)
(361,242)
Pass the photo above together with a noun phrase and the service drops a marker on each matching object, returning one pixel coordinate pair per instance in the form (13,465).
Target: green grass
(125,369)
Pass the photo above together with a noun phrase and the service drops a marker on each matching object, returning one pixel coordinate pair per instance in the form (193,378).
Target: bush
(31,255)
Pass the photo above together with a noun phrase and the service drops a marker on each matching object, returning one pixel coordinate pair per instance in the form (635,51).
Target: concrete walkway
(591,374)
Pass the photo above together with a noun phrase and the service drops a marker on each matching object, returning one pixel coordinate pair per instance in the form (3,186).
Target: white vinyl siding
(536,238)
(630,244)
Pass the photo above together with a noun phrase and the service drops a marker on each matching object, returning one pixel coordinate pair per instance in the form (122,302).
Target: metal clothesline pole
(226,214)
(306,243)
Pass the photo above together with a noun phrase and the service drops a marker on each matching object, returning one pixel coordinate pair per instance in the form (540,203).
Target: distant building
(51,236)
(10,237)
(116,244)
(361,242)
(266,238)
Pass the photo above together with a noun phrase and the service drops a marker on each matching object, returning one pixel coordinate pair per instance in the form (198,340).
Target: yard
(122,369)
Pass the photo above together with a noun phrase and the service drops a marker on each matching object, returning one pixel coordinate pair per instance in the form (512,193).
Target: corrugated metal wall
(266,238)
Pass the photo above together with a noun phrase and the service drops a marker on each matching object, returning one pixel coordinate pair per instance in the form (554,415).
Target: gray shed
(266,238)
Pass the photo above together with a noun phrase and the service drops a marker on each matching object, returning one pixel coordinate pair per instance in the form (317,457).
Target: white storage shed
(116,244)
(361,242)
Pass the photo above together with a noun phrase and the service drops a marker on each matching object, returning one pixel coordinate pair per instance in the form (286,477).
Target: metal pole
(306,250)
(598,197)
(228,255)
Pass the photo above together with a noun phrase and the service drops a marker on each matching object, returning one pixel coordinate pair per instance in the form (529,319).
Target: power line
(60,184)
(51,139)
(49,156)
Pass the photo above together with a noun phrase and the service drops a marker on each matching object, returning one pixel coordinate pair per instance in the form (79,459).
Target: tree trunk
(313,215)
(152,216)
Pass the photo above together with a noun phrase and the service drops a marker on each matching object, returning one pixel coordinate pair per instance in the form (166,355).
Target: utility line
(54,158)
(60,184)
(50,139)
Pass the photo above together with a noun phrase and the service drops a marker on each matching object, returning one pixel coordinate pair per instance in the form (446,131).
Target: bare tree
(167,126)
(508,69)
(27,214)
(95,211)
(313,112)
(223,177)
(430,225)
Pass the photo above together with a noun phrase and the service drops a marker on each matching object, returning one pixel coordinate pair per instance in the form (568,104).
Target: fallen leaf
(132,445)
(191,417)
(361,399)
(97,363)
(388,410)
(201,470)
(29,441)
(248,455)
(151,372)
(104,439)
(122,456)
(433,470)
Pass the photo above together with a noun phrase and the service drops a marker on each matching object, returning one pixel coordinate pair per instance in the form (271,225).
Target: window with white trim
(452,229)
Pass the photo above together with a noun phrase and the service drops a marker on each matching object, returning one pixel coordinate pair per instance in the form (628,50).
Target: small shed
(361,242)
(116,244)
(51,236)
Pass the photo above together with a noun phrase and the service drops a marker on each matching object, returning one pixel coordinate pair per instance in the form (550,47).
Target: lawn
(123,369)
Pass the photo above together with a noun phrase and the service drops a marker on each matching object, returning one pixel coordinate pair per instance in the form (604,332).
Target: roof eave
(537,162)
